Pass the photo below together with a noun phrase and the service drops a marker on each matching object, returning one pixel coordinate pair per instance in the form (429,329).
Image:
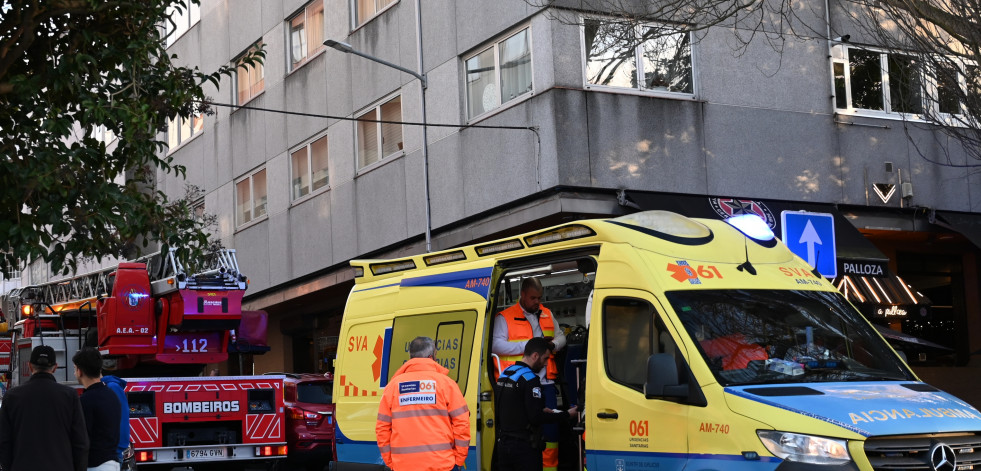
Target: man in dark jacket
(118,386)
(521,410)
(102,413)
(41,422)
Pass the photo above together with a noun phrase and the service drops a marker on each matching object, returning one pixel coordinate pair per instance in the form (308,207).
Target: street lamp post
(347,49)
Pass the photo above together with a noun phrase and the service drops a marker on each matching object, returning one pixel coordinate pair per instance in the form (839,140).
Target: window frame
(192,15)
(308,146)
(638,63)
(237,62)
(376,108)
(103,134)
(173,124)
(378,12)
(495,46)
(653,335)
(253,218)
(429,323)
(929,90)
(932,93)
(309,54)
(198,210)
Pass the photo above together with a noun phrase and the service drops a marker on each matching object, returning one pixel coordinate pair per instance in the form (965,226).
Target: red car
(309,419)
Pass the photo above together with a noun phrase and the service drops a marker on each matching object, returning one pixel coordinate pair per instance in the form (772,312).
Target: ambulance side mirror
(662,379)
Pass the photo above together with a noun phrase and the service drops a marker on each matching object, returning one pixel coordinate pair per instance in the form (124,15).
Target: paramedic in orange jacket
(423,419)
(512,329)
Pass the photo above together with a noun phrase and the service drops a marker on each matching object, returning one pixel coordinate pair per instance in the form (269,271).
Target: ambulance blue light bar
(752,226)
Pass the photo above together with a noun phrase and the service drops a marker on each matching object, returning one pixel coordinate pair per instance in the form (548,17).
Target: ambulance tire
(286,465)
(344,466)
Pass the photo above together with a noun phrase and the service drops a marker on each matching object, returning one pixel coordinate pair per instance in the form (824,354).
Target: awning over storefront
(969,225)
(856,255)
(898,338)
(886,297)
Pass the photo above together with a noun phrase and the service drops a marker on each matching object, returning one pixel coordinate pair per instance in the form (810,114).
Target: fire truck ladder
(74,296)
(219,270)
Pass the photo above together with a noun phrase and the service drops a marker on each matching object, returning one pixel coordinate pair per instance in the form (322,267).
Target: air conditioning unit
(907,190)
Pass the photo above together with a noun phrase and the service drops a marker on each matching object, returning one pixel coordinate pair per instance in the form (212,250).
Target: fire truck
(157,326)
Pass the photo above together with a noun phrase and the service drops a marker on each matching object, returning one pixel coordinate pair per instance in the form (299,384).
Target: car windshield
(781,336)
(315,393)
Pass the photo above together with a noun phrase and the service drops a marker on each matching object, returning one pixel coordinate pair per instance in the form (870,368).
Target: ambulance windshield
(780,336)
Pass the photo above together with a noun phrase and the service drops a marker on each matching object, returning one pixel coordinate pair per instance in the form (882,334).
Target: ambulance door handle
(608,415)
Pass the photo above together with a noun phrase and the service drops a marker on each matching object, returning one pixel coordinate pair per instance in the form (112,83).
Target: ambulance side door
(624,429)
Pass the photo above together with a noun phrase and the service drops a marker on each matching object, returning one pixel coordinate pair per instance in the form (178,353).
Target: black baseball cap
(43,355)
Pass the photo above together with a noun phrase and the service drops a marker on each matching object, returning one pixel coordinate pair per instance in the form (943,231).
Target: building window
(251,78)
(377,140)
(197,210)
(250,197)
(500,73)
(308,168)
(10,268)
(182,18)
(648,57)
(306,33)
(884,82)
(956,86)
(180,129)
(102,134)
(365,10)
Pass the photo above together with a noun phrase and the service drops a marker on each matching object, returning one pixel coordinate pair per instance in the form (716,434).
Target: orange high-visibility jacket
(519,330)
(423,419)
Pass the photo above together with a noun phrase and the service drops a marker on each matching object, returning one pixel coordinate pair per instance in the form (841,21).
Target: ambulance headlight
(805,448)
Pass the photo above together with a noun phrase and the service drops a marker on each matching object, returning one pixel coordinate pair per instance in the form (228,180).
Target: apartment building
(316,157)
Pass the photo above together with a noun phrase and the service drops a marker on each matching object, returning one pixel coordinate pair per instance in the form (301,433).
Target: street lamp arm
(421,75)
(346,48)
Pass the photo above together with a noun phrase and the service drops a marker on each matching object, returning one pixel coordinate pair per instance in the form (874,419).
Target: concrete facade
(760,125)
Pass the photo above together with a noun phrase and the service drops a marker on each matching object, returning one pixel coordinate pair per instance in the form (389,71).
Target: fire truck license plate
(205,453)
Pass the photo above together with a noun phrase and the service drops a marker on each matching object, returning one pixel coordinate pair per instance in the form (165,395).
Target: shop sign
(729,207)
(890,311)
(893,312)
(884,191)
(871,268)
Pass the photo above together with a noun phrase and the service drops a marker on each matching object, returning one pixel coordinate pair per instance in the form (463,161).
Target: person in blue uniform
(521,410)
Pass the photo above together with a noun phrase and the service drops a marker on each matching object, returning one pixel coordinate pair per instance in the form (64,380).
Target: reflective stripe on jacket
(423,419)
(519,330)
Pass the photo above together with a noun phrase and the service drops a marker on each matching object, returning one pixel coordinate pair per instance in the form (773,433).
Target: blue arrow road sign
(812,237)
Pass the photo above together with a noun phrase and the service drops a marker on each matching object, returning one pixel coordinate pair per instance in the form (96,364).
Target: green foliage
(66,67)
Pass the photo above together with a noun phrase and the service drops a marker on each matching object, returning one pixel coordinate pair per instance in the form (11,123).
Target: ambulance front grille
(913,452)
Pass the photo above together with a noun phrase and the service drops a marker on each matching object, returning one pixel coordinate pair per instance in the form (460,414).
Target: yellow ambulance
(692,344)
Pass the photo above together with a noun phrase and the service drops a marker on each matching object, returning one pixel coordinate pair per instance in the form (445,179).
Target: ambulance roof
(661,232)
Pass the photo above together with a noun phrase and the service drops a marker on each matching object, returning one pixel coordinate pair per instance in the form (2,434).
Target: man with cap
(41,422)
